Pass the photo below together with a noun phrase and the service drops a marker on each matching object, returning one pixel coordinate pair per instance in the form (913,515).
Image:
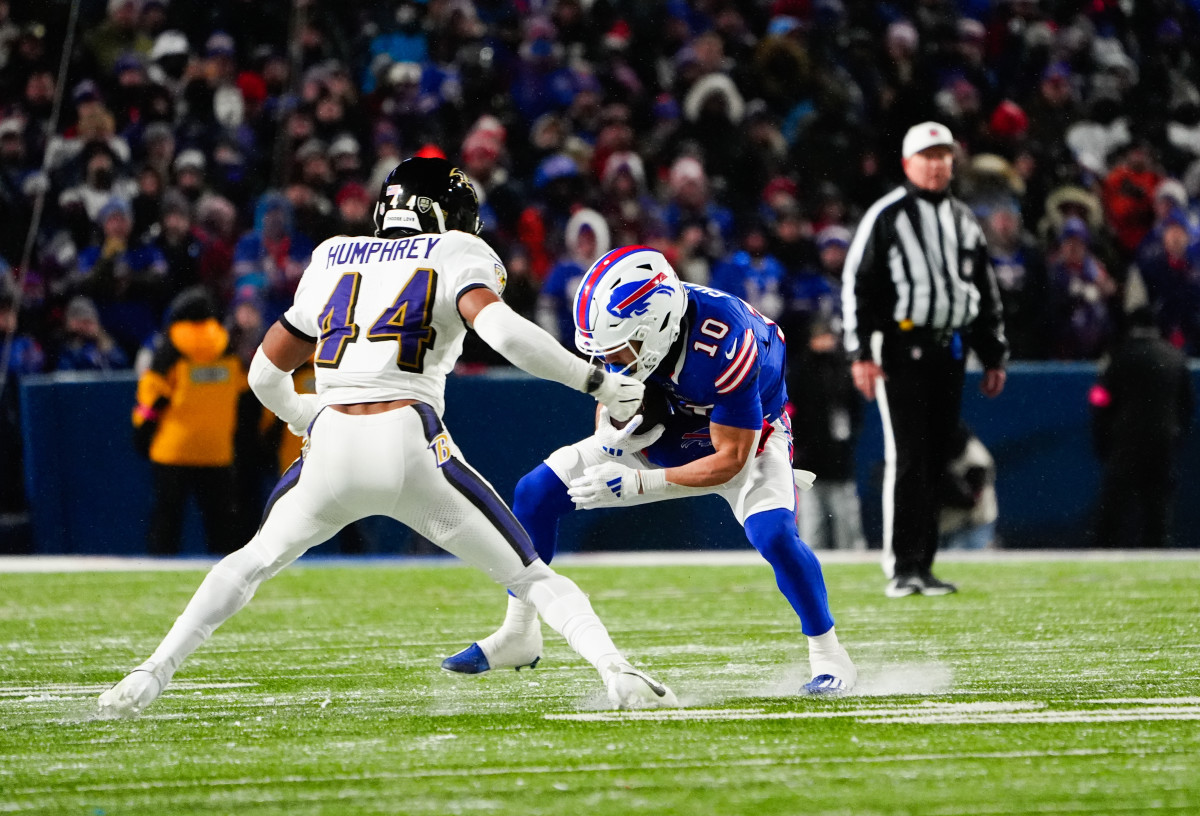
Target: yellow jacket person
(184,421)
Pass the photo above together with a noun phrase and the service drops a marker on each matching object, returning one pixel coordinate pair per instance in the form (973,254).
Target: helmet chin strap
(437,210)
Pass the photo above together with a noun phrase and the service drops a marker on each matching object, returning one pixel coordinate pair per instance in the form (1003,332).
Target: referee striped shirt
(920,260)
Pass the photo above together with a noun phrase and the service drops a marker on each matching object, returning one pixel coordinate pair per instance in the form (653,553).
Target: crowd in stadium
(218,143)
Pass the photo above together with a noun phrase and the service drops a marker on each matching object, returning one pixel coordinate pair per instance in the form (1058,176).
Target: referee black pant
(920,405)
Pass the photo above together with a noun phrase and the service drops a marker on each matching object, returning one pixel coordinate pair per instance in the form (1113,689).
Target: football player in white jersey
(386,317)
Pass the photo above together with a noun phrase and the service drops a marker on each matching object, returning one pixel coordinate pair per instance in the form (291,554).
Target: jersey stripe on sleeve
(736,372)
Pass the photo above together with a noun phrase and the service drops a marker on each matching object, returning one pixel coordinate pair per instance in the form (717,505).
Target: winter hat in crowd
(1075,227)
(85,91)
(1008,120)
(219,44)
(686,169)
(1171,189)
(81,308)
(129,61)
(833,235)
(311,149)
(587,219)
(114,206)
(249,294)
(169,44)
(560,165)
(352,190)
(1177,217)
(491,126)
(481,142)
(190,159)
(623,160)
(344,145)
(173,201)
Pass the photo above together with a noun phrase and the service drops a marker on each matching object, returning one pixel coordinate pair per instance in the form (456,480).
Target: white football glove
(804,479)
(606,485)
(612,484)
(614,441)
(299,426)
(620,394)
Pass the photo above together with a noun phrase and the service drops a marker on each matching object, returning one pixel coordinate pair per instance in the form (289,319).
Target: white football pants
(399,463)
(765,483)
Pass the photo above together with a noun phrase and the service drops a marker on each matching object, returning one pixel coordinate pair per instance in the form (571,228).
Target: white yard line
(927,713)
(56,691)
(710,558)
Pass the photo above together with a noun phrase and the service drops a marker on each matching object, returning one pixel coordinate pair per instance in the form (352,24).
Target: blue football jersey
(730,370)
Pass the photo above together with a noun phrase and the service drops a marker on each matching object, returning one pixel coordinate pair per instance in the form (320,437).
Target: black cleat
(932,585)
(902,586)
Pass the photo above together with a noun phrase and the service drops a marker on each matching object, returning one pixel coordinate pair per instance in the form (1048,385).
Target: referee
(917,289)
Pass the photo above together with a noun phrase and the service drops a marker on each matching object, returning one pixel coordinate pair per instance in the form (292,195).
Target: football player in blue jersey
(719,366)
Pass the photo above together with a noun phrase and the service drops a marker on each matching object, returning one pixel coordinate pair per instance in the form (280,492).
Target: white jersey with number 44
(384,313)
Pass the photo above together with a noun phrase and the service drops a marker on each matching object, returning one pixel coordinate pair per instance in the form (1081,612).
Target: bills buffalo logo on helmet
(630,299)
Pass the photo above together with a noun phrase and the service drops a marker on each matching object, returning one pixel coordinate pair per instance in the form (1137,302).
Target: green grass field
(1045,686)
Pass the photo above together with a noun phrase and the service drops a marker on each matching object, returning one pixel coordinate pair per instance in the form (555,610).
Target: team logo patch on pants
(440,445)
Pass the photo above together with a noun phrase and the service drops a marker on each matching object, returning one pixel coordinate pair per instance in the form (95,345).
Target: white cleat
(833,674)
(629,688)
(130,697)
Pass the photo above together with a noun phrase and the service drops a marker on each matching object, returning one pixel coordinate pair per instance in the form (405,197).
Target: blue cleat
(826,684)
(472,660)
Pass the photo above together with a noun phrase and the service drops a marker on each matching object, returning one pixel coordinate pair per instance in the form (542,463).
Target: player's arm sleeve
(530,348)
(275,389)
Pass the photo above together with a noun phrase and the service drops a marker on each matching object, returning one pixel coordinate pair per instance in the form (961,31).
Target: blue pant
(541,500)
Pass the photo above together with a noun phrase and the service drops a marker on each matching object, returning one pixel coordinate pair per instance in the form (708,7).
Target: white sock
(520,622)
(572,617)
(823,645)
(563,605)
(227,588)
(521,617)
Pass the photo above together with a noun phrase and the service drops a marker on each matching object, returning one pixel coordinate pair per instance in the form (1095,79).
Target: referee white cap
(925,135)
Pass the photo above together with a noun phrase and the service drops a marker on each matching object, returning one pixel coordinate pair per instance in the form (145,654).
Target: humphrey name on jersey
(367,251)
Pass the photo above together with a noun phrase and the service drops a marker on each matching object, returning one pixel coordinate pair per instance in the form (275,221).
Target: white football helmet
(630,294)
